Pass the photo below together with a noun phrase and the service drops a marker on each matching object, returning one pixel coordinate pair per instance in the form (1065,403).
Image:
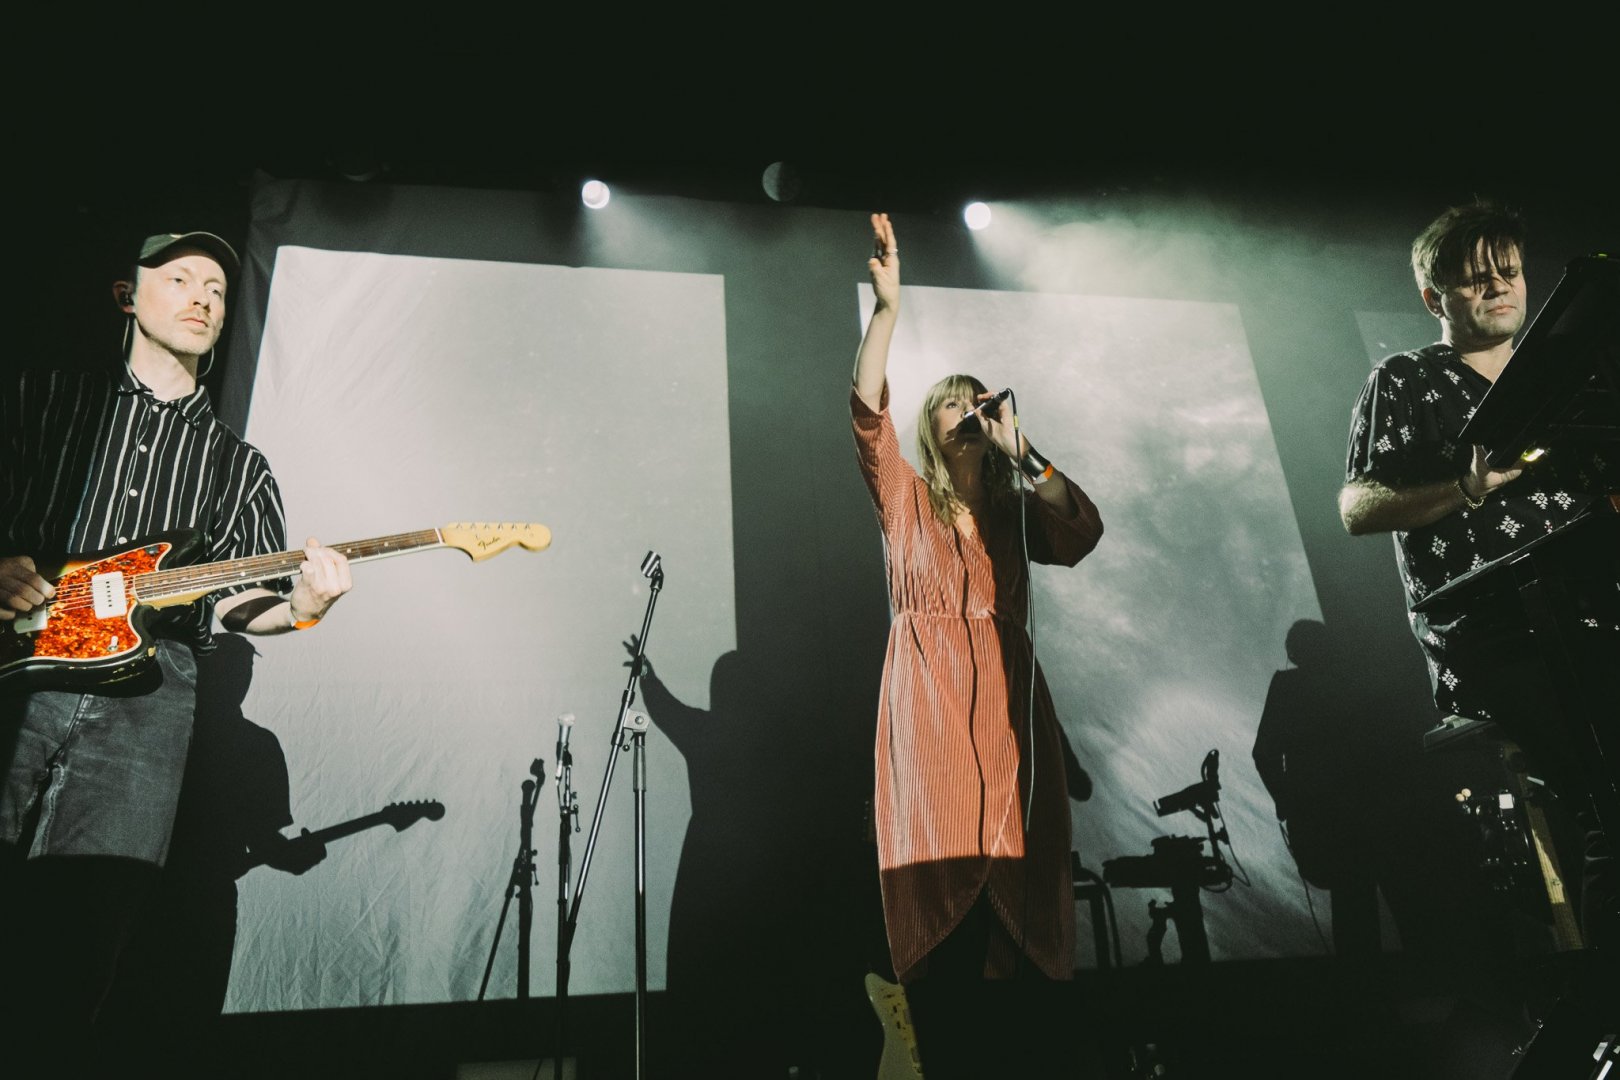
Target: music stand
(1562,383)
(1559,393)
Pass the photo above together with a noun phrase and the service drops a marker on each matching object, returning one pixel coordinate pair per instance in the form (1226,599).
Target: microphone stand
(567,815)
(652,569)
(520,883)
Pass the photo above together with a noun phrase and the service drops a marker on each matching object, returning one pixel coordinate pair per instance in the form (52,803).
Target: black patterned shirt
(1404,432)
(89,463)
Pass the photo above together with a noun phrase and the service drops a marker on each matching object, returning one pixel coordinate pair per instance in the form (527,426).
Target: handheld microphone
(990,407)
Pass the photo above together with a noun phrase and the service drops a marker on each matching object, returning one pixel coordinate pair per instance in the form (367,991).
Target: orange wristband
(1034,466)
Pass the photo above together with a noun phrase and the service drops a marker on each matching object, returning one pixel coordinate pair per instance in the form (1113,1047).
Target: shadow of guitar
(401,815)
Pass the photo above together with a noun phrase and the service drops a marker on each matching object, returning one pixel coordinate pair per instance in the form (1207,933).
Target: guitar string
(249,571)
(168,583)
(276,560)
(283,560)
(77,596)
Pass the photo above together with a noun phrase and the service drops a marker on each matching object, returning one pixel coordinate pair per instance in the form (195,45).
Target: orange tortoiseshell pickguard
(74,633)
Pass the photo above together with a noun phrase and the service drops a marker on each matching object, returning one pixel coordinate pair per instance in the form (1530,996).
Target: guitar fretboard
(260,568)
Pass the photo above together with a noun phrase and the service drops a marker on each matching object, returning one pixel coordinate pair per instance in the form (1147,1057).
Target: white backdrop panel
(1162,644)
(396,393)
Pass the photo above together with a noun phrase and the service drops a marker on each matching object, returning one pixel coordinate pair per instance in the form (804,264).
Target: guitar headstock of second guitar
(402,815)
(485,538)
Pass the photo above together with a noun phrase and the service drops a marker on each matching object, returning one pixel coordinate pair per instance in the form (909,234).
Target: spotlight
(358,164)
(782,181)
(594,194)
(977,215)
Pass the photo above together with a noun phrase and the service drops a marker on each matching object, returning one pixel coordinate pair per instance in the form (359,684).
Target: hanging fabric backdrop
(672,375)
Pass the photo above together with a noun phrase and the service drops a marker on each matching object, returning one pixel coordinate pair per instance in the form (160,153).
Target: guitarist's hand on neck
(322,580)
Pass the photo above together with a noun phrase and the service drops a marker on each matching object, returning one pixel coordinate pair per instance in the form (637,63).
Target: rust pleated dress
(952,743)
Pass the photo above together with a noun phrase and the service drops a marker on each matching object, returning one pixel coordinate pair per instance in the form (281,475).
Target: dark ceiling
(1277,132)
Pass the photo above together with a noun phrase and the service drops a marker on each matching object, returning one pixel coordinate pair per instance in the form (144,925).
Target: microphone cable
(1029,612)
(1029,712)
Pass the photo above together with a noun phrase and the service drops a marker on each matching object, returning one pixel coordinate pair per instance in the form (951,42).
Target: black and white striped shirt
(89,464)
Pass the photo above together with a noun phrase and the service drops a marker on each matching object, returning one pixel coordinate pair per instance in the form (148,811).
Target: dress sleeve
(889,476)
(1396,434)
(1064,541)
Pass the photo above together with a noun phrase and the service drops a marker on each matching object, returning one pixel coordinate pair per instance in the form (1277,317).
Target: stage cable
(1310,905)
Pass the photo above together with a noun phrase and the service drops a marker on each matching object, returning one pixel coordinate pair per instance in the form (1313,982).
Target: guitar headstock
(402,815)
(485,538)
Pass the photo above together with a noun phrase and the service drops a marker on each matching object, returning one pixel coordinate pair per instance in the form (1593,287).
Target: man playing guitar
(87,463)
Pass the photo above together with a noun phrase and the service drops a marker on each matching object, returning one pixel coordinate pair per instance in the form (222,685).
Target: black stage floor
(1392,1020)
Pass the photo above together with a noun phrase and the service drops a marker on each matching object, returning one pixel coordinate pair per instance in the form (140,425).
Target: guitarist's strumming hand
(21,589)
(293,855)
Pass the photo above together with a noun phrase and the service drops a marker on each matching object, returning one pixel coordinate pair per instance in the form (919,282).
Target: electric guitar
(94,631)
(401,815)
(900,1059)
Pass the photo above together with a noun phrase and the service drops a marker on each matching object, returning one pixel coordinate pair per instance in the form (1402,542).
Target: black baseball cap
(155,249)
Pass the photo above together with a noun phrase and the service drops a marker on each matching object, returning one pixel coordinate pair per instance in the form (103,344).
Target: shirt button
(143,448)
(133,492)
(123,539)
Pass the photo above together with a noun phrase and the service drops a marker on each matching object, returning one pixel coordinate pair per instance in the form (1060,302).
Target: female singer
(971,804)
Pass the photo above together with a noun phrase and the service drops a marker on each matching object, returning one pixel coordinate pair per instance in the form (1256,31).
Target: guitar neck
(252,859)
(349,828)
(256,569)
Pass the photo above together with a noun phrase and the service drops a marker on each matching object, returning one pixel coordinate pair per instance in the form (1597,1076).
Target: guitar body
(900,1060)
(94,632)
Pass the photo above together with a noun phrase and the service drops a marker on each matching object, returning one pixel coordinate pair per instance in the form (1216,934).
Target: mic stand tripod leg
(567,821)
(519,885)
(640,773)
(1188,912)
(1158,923)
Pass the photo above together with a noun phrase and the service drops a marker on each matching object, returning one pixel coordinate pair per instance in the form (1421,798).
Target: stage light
(594,194)
(782,181)
(359,164)
(977,216)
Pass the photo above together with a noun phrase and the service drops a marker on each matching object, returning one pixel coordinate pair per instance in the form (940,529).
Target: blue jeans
(99,774)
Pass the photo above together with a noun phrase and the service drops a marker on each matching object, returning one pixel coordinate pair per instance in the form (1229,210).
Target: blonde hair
(1000,477)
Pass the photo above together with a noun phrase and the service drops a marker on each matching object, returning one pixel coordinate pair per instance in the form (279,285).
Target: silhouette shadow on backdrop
(234,803)
(744,895)
(1364,810)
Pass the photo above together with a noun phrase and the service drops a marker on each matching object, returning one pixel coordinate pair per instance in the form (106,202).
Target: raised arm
(872,361)
(679,721)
